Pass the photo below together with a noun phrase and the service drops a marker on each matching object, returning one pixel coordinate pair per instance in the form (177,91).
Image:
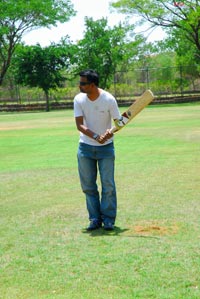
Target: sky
(96,9)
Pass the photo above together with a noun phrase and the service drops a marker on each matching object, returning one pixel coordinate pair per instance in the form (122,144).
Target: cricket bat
(146,98)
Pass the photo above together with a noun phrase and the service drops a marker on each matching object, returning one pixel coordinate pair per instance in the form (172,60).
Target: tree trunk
(3,72)
(6,59)
(47,100)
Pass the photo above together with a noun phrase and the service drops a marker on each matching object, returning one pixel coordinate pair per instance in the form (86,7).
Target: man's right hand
(104,137)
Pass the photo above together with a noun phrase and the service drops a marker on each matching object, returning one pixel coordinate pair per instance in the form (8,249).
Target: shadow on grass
(116,232)
(102,232)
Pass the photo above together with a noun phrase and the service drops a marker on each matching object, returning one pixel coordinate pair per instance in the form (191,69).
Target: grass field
(154,251)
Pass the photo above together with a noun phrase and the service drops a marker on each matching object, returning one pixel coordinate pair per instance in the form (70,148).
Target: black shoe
(108,226)
(94,224)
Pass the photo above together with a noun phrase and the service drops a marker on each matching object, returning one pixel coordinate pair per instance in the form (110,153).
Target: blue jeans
(90,160)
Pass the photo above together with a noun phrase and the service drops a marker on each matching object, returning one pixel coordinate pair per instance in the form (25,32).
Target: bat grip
(113,130)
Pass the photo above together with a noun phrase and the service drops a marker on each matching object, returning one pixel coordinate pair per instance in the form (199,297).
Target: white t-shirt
(97,115)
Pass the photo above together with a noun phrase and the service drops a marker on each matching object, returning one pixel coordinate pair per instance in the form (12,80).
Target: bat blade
(145,99)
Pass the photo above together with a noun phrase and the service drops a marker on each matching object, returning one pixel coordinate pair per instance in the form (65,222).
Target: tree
(102,48)
(187,58)
(184,15)
(21,16)
(42,67)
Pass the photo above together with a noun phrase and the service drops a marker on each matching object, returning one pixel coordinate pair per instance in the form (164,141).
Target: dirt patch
(151,228)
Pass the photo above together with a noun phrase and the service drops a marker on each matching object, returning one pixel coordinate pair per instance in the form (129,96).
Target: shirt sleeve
(77,108)
(115,113)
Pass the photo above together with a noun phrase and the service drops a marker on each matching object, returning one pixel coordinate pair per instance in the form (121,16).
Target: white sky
(96,9)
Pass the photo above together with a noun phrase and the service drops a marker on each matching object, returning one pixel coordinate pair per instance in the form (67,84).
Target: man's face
(84,85)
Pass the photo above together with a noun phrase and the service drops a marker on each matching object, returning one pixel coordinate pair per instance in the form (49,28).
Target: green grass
(154,251)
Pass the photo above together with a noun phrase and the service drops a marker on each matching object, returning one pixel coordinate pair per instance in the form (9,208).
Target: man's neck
(94,94)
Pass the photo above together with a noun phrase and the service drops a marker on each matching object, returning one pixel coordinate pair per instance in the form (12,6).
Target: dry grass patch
(153,228)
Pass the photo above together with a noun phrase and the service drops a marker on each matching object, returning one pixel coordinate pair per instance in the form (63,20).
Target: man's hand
(104,137)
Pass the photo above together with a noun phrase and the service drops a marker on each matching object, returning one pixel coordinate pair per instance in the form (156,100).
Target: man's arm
(82,128)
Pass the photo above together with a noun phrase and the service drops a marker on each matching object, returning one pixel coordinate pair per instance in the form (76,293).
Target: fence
(163,81)
(182,83)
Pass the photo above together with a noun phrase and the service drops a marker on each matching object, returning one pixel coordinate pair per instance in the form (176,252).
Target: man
(94,109)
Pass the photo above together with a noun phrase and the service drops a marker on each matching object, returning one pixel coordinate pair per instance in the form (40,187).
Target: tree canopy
(181,15)
(42,67)
(18,17)
(104,49)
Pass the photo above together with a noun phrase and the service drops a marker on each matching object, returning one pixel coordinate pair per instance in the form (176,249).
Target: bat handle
(113,130)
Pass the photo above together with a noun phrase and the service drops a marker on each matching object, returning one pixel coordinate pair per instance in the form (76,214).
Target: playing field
(154,252)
